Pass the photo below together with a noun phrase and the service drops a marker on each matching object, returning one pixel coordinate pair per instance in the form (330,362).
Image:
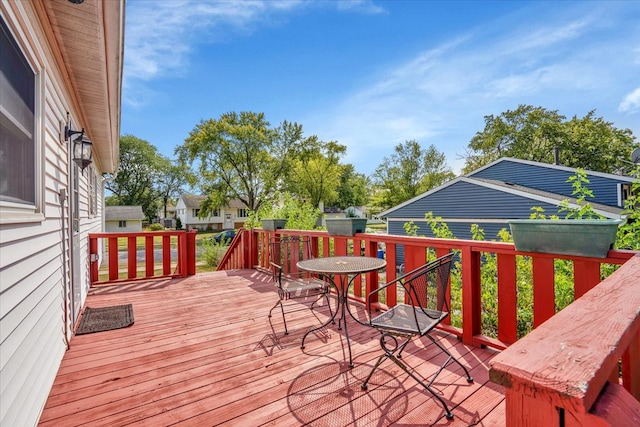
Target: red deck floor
(202,352)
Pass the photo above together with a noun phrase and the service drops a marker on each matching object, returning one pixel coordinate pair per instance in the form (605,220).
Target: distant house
(170,219)
(123,218)
(226,218)
(505,189)
(358,211)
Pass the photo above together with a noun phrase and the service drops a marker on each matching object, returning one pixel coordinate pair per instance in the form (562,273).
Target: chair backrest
(427,286)
(286,251)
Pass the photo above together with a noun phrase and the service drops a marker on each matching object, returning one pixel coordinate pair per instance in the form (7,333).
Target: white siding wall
(132,226)
(32,276)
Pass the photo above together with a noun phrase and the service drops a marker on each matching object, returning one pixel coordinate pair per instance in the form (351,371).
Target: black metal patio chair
(425,296)
(292,283)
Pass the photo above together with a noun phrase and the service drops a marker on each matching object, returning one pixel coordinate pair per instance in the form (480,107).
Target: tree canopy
(407,173)
(354,188)
(316,173)
(239,156)
(140,167)
(533,133)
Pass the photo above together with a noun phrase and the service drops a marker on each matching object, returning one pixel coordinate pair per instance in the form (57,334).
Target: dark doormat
(105,319)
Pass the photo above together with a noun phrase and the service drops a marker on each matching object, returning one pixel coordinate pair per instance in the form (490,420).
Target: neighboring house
(333,212)
(505,189)
(358,212)
(123,218)
(170,219)
(61,66)
(229,217)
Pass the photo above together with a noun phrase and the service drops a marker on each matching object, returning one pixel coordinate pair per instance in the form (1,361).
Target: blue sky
(373,74)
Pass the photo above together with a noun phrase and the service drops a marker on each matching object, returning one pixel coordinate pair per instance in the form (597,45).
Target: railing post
(113,258)
(544,296)
(471,301)
(132,252)
(191,252)
(507,299)
(149,256)
(93,258)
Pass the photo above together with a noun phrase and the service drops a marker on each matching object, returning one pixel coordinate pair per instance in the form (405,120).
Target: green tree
(353,189)
(239,156)
(316,173)
(409,172)
(170,181)
(533,133)
(140,166)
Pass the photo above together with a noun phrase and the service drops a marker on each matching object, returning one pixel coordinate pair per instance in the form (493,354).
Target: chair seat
(402,318)
(297,288)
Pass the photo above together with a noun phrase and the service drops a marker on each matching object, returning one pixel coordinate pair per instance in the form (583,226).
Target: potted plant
(346,226)
(274,215)
(582,237)
(273,224)
(583,232)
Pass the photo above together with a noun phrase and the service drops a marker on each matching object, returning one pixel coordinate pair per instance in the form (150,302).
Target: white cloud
(631,102)
(442,95)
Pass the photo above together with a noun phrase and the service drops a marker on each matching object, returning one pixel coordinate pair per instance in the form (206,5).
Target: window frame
(15,212)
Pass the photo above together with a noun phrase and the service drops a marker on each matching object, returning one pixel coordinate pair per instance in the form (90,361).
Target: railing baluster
(113,258)
(544,297)
(507,299)
(132,258)
(149,256)
(586,274)
(185,258)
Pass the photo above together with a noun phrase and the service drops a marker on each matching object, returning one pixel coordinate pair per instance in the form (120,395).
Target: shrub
(212,252)
(156,227)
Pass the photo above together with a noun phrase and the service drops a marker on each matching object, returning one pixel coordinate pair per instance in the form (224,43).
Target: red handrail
(250,250)
(183,264)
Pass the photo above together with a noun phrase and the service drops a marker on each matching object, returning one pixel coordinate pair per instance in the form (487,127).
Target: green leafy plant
(581,192)
(300,215)
(212,251)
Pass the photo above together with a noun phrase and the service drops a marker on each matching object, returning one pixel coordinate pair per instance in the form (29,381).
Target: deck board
(202,351)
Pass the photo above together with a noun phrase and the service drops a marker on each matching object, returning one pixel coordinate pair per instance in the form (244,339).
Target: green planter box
(581,237)
(273,224)
(346,226)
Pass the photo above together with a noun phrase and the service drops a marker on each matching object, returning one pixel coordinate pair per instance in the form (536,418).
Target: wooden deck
(202,352)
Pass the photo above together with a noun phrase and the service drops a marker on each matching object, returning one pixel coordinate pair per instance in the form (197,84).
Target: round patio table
(347,268)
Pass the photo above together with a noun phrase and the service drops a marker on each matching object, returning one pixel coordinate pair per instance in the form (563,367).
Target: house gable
(553,178)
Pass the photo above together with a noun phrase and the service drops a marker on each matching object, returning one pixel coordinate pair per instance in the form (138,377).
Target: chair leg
(389,353)
(451,357)
(284,320)
(378,362)
(447,412)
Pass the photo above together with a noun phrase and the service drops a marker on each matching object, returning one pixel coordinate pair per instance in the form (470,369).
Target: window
(122,224)
(215,212)
(626,192)
(17,125)
(242,213)
(195,212)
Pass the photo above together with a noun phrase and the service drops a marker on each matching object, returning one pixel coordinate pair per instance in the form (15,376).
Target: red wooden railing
(183,264)
(250,249)
(582,367)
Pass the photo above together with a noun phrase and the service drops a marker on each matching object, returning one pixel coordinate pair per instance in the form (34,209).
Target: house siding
(132,226)
(33,271)
(467,200)
(553,180)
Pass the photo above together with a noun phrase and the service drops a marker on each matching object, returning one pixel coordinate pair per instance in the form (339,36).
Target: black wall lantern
(82,155)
